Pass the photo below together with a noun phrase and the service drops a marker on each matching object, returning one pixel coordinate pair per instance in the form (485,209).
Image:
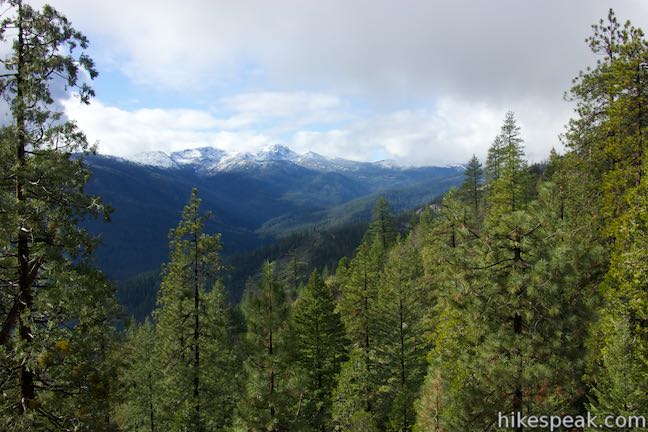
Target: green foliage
(620,386)
(140,380)
(269,397)
(320,348)
(508,182)
(381,229)
(350,411)
(359,293)
(514,303)
(401,304)
(471,190)
(524,292)
(55,310)
(192,334)
(609,155)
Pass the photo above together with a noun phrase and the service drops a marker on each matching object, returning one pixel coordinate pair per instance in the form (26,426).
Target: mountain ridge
(208,160)
(263,197)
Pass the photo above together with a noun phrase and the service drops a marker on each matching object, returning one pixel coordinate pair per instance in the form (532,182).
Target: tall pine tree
(269,400)
(402,302)
(192,334)
(320,346)
(608,155)
(55,310)
(358,300)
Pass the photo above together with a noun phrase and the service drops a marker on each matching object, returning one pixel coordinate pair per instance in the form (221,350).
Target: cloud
(449,133)
(288,109)
(419,82)
(383,51)
(125,133)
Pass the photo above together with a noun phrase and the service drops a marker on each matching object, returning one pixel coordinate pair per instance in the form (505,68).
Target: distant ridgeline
(254,198)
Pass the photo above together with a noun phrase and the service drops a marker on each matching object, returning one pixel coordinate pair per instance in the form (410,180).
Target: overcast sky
(420,82)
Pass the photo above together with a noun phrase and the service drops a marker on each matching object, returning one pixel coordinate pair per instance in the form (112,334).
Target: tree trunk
(25,295)
(196,335)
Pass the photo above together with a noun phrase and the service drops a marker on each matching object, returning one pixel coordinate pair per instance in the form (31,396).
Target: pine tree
(514,305)
(494,160)
(46,280)
(359,293)
(192,327)
(320,346)
(608,156)
(381,229)
(291,273)
(269,398)
(447,257)
(509,191)
(401,304)
(139,379)
(350,396)
(471,188)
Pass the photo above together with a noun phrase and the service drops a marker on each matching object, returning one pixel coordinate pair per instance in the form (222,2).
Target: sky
(417,82)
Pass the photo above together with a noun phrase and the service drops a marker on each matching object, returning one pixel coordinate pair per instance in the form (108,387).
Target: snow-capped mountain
(209,160)
(255,196)
(204,157)
(154,158)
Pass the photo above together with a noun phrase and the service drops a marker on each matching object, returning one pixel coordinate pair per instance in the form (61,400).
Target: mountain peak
(153,158)
(275,152)
(206,156)
(208,160)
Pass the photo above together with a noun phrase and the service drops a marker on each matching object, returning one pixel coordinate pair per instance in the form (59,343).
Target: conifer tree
(359,293)
(609,160)
(350,411)
(55,309)
(381,229)
(494,160)
(269,398)
(509,191)
(512,314)
(320,346)
(140,381)
(192,328)
(471,188)
(291,273)
(447,257)
(401,304)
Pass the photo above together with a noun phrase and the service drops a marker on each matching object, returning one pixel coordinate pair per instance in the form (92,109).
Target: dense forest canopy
(524,292)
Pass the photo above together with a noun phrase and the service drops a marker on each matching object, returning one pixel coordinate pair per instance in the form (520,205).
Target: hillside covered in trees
(524,292)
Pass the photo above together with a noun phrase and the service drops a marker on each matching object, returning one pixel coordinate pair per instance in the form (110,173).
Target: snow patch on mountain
(153,158)
(203,157)
(210,160)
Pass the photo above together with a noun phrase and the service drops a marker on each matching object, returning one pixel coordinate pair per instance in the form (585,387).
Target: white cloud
(475,60)
(125,133)
(449,133)
(419,82)
(393,52)
(288,109)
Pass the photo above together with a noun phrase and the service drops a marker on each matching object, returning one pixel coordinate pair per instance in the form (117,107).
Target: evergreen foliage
(55,309)
(192,332)
(269,402)
(471,189)
(609,154)
(320,346)
(358,301)
(402,302)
